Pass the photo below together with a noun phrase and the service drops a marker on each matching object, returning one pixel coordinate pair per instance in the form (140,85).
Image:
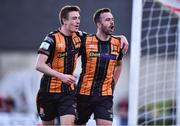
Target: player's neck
(102,36)
(65,31)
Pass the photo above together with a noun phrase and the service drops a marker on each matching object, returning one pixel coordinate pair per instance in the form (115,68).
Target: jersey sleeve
(120,56)
(47,45)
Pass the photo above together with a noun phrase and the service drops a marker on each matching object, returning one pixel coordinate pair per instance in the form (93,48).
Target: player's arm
(44,52)
(118,67)
(44,68)
(124,43)
(117,71)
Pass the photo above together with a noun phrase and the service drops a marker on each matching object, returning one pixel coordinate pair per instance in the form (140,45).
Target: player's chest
(104,51)
(67,47)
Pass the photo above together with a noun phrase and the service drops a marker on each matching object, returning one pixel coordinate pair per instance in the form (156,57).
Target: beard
(106,30)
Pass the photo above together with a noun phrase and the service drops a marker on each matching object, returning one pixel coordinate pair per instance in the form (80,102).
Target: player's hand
(68,79)
(124,44)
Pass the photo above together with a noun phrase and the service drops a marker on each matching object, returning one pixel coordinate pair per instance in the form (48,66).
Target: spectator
(123,111)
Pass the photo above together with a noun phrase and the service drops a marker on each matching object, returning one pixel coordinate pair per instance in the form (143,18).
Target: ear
(98,24)
(64,20)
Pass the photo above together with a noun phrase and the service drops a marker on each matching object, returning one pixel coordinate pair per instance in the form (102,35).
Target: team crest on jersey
(91,46)
(77,42)
(114,50)
(45,45)
(61,45)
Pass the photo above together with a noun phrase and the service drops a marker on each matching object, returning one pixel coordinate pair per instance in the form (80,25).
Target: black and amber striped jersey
(62,52)
(98,62)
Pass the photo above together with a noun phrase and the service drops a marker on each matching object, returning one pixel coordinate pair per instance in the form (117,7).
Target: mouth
(112,27)
(77,26)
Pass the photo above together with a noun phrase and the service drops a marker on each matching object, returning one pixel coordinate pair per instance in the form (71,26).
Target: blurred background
(23,26)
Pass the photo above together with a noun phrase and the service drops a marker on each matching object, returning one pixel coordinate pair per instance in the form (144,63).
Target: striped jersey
(62,52)
(98,62)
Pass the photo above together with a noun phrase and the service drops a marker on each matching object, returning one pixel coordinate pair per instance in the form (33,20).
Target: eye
(74,18)
(107,19)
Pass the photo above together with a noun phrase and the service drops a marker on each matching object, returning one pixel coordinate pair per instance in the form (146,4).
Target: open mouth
(77,26)
(112,27)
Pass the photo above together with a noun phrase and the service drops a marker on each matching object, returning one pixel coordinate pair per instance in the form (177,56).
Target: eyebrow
(75,16)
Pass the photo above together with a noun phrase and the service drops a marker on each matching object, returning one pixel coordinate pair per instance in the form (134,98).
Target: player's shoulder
(81,34)
(91,35)
(117,37)
(50,37)
(91,38)
(52,33)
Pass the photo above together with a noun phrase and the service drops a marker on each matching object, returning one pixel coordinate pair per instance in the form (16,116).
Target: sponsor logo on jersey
(62,54)
(103,55)
(45,45)
(94,54)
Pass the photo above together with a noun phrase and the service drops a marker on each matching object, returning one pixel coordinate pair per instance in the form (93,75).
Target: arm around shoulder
(124,43)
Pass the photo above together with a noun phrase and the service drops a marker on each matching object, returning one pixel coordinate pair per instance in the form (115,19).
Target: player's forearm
(117,71)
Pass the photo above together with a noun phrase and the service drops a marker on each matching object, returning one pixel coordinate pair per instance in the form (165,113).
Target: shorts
(101,106)
(51,105)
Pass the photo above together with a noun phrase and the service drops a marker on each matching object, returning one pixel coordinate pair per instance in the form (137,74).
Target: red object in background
(6,104)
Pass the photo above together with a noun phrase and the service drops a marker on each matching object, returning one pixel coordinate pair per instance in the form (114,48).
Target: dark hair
(98,13)
(65,10)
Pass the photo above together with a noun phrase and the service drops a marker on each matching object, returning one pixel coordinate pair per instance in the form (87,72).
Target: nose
(112,22)
(78,21)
